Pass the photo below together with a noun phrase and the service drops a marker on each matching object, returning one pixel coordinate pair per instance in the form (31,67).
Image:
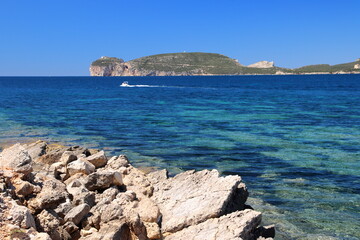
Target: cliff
(262,64)
(52,192)
(196,63)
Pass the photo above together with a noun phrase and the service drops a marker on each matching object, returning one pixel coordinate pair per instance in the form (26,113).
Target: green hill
(345,67)
(209,63)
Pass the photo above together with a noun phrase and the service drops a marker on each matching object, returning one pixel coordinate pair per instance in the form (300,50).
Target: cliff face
(262,64)
(113,69)
(108,66)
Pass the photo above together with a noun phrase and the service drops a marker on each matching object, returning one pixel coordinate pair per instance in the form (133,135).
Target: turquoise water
(295,140)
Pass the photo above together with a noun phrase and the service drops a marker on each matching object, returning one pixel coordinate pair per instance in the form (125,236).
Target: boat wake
(142,86)
(126,84)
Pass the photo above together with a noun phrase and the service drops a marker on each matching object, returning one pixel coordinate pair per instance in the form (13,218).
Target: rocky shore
(54,192)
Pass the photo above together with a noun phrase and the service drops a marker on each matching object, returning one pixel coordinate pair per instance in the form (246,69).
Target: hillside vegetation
(210,63)
(345,67)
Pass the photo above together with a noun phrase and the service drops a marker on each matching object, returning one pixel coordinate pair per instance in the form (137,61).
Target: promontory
(198,63)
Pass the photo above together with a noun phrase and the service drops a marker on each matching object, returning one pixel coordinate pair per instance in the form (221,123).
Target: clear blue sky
(46,37)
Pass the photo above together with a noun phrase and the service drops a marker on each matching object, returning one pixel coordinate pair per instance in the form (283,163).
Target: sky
(62,38)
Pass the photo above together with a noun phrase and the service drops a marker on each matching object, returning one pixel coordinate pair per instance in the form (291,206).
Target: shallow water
(295,140)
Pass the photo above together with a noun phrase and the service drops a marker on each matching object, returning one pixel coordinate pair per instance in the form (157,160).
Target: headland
(198,63)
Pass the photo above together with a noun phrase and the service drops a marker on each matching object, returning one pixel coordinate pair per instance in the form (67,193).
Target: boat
(125,84)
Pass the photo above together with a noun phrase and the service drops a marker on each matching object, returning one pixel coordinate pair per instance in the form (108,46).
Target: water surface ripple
(295,140)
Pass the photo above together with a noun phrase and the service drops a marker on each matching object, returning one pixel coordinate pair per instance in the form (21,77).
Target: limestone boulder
(104,212)
(67,157)
(59,170)
(23,188)
(63,208)
(98,159)
(51,195)
(77,213)
(153,230)
(77,151)
(80,166)
(103,180)
(148,210)
(238,225)
(193,197)
(108,195)
(36,149)
(16,158)
(137,226)
(137,181)
(114,230)
(48,221)
(157,176)
(70,227)
(21,216)
(109,208)
(118,162)
(80,194)
(52,155)
(111,212)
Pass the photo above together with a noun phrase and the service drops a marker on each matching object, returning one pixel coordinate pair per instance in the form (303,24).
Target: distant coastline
(206,64)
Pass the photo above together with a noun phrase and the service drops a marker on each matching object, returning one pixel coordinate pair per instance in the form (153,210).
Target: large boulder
(148,210)
(102,180)
(153,230)
(238,225)
(23,188)
(98,159)
(55,153)
(136,180)
(193,197)
(16,158)
(67,157)
(52,194)
(118,162)
(36,149)
(80,166)
(77,213)
(52,155)
(21,216)
(114,230)
(80,194)
(48,221)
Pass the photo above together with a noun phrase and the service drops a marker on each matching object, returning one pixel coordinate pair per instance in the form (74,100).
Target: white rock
(77,213)
(262,64)
(16,158)
(21,216)
(80,166)
(193,197)
(238,225)
(98,159)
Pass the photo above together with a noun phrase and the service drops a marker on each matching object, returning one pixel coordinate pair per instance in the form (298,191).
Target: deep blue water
(295,140)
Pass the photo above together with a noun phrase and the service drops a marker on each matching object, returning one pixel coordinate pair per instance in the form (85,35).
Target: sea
(294,140)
